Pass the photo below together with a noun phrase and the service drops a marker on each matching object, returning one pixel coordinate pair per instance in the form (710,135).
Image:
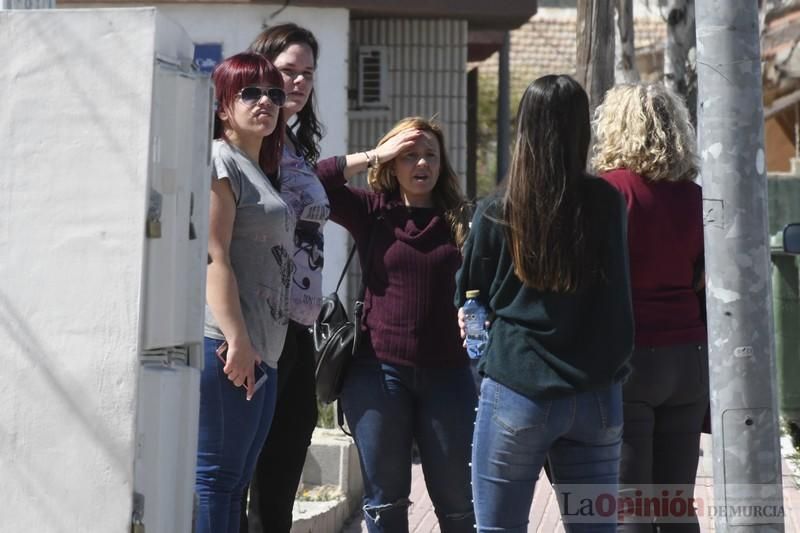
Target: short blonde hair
(446,193)
(645,128)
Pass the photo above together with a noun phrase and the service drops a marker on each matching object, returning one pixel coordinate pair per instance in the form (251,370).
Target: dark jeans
(580,435)
(665,400)
(389,406)
(232,431)
(280,465)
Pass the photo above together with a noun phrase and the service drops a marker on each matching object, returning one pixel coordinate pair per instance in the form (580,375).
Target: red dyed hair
(235,73)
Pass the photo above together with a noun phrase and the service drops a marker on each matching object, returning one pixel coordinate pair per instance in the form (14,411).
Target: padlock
(153,228)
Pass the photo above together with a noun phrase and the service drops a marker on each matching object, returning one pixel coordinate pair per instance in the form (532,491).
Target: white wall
(74,141)
(236,25)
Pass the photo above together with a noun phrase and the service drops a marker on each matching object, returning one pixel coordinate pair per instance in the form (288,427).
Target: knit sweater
(546,344)
(409,317)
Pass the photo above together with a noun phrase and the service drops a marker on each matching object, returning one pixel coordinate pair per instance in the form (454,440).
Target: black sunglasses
(251,95)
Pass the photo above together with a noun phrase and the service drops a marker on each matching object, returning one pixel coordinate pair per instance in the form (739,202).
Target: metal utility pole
(503,108)
(595,52)
(744,416)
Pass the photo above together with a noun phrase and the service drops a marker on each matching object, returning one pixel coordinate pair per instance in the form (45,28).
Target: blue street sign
(207,56)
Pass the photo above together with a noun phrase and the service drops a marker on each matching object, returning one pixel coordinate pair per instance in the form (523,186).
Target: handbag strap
(346,266)
(364,271)
(370,248)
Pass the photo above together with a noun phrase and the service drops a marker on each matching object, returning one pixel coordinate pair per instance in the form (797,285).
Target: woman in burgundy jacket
(411,379)
(646,148)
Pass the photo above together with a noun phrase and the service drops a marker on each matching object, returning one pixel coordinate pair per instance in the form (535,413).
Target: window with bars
(373,78)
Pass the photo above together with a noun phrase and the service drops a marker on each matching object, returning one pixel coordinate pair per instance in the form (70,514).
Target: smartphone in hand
(259,373)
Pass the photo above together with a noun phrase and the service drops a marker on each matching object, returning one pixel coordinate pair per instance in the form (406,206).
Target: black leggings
(280,464)
(664,403)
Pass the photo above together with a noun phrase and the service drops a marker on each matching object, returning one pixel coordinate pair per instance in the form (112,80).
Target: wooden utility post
(625,70)
(503,108)
(595,57)
(680,72)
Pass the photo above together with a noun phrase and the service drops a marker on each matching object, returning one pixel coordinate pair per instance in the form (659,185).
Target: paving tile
(545,516)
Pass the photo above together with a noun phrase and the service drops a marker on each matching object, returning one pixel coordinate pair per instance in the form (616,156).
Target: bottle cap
(473,293)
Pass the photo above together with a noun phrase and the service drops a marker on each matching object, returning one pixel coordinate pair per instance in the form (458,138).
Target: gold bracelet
(376,160)
(369,160)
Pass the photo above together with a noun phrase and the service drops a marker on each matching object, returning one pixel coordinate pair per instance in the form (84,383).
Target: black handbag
(336,337)
(335,341)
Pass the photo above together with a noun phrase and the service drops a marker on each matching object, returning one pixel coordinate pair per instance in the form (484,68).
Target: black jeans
(280,464)
(664,402)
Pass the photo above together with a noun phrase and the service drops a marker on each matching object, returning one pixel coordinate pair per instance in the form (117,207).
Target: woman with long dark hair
(549,258)
(247,287)
(294,51)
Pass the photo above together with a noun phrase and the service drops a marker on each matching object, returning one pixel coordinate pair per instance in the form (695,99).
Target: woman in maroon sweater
(411,380)
(646,149)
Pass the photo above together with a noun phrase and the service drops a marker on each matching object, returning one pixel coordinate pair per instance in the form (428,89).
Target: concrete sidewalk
(545,516)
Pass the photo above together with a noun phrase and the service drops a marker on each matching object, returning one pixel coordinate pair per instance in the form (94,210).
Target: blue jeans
(579,434)
(387,407)
(232,431)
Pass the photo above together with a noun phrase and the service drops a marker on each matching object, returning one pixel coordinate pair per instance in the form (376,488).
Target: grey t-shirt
(260,252)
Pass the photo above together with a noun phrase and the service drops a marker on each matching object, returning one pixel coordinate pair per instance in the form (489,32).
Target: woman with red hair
(247,286)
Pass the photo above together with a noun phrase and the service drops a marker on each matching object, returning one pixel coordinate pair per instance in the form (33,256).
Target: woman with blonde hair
(646,149)
(410,380)
(548,256)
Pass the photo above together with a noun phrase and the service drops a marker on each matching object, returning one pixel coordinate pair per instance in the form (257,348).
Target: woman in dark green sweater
(549,258)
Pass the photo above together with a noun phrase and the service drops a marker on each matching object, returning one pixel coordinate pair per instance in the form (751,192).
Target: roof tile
(546,44)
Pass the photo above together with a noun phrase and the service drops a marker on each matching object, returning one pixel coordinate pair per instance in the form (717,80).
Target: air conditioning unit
(373,77)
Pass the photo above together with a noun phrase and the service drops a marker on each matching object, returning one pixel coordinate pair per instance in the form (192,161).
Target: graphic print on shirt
(308,240)
(279,305)
(306,198)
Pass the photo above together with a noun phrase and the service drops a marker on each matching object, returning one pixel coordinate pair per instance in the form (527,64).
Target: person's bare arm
(222,290)
(358,161)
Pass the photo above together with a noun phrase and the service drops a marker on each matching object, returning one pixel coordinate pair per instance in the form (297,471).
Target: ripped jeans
(387,407)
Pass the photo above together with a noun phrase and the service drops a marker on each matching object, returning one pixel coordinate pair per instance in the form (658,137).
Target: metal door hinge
(165,356)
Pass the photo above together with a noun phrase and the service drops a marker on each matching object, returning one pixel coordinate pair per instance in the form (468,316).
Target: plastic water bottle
(475,325)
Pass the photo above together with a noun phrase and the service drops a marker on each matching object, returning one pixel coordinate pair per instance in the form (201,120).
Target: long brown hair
(270,43)
(547,216)
(446,193)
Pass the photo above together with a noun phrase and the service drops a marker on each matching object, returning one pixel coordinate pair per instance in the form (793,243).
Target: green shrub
(326,417)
